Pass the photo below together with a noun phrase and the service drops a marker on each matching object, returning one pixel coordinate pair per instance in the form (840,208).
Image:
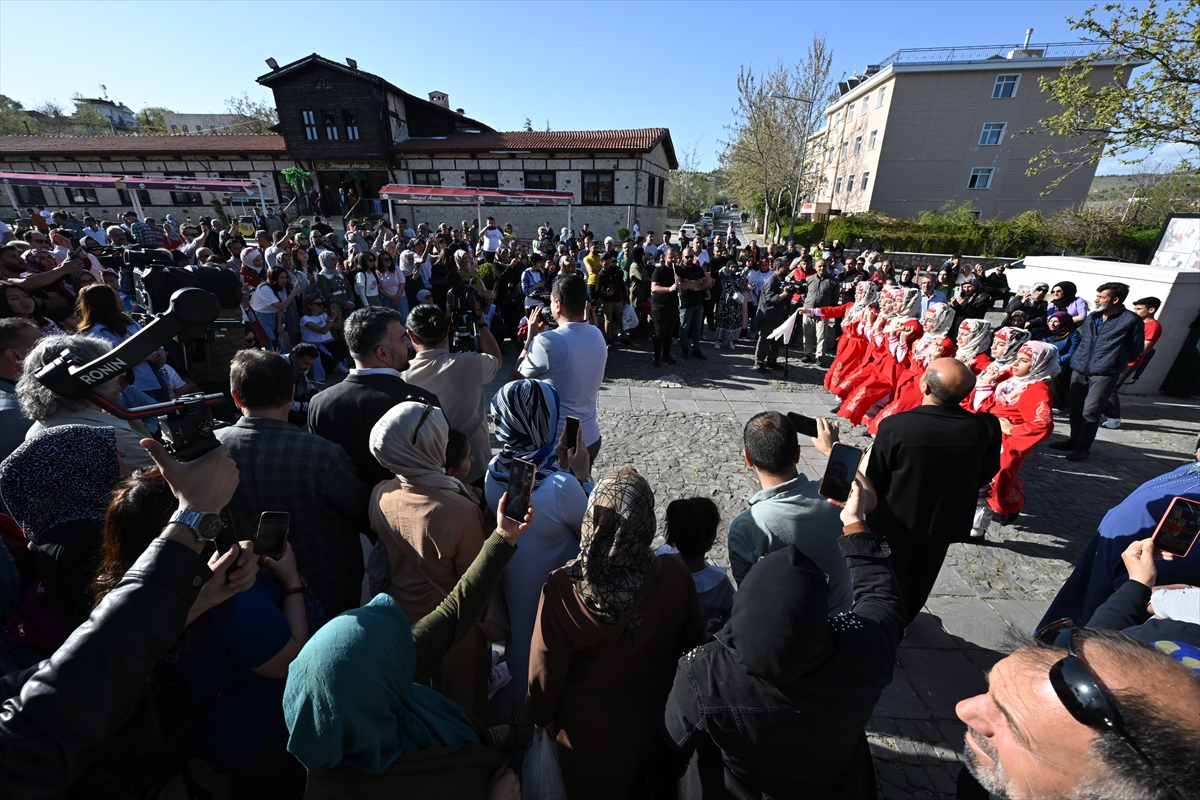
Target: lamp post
(803,152)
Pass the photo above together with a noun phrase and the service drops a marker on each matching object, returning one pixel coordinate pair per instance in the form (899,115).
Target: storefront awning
(58,181)
(467,194)
(189,184)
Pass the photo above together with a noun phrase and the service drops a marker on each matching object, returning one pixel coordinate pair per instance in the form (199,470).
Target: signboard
(467,194)
(189,185)
(58,181)
(347,166)
(1179,245)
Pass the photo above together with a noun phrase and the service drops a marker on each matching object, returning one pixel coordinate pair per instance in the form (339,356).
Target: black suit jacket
(928,465)
(346,413)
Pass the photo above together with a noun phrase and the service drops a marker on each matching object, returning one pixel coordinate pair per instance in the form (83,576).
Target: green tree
(528,125)
(690,192)
(86,120)
(150,119)
(1160,106)
(257,116)
(15,120)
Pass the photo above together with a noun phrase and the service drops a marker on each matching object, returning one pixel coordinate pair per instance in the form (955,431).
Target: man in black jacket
(345,414)
(1111,337)
(775,705)
(928,465)
(773,307)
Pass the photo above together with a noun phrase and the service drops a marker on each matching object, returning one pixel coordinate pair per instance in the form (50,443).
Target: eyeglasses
(1081,695)
(424,415)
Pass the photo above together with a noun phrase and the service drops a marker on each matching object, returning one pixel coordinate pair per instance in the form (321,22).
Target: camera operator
(571,357)
(774,303)
(456,378)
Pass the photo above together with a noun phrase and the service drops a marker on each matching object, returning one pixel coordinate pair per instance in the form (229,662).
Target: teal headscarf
(350,698)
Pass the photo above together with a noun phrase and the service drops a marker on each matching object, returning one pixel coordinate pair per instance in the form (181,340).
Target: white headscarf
(929,345)
(410,440)
(1045,367)
(978,340)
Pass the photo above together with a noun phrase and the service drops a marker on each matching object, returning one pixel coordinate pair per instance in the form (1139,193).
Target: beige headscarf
(413,450)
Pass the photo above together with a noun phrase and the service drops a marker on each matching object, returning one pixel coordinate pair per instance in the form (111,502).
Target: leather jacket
(79,697)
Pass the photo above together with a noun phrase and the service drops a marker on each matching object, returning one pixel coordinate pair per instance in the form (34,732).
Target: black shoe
(697,354)
(669,360)
(771,366)
(1063,445)
(684,354)
(657,363)
(1077,455)
(807,359)
(836,409)
(760,368)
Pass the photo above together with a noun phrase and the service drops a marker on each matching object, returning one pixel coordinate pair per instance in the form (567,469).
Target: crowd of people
(147,624)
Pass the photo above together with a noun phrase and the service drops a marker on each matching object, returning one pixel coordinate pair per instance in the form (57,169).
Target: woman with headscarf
(1033,303)
(874,330)
(1023,404)
(972,301)
(611,627)
(935,343)
(1006,346)
(881,379)
(974,340)
(254,266)
(361,725)
(1063,297)
(1063,335)
(852,343)
(433,529)
(525,415)
(56,486)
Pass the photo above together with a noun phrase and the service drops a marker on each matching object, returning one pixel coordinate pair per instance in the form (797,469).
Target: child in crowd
(691,532)
(459,458)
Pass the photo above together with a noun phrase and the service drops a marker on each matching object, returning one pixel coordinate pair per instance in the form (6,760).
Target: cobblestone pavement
(680,426)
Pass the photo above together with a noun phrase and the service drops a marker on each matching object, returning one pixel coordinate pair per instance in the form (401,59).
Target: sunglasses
(1080,694)
(424,415)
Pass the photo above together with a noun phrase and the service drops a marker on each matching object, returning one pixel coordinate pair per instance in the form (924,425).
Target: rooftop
(141,145)
(639,140)
(989,52)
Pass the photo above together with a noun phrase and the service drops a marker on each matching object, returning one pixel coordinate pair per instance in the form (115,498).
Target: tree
(1160,106)
(150,120)
(528,125)
(257,116)
(14,119)
(87,120)
(689,191)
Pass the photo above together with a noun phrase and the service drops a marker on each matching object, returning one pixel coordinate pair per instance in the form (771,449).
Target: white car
(688,230)
(717,210)
(733,208)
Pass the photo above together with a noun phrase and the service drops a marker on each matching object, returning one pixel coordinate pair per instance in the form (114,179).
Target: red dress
(884,377)
(850,346)
(908,388)
(1031,415)
(855,372)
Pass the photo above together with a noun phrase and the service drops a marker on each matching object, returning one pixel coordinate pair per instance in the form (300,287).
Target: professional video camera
(464,325)
(545,315)
(187,423)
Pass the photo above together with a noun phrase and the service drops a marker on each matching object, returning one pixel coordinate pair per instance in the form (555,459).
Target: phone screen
(520,488)
(572,431)
(805,426)
(1179,527)
(840,471)
(272,533)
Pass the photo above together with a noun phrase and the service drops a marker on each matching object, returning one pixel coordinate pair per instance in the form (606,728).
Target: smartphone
(572,431)
(805,426)
(1179,528)
(272,534)
(840,471)
(520,487)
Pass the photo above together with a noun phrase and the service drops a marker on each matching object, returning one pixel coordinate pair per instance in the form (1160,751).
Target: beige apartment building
(928,127)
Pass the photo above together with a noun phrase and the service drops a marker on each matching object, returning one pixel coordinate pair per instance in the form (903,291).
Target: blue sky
(581,65)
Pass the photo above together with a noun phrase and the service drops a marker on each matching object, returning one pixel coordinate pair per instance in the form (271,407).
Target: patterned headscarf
(62,474)
(525,414)
(614,550)
(929,344)
(1045,367)
(1012,338)
(907,305)
(979,338)
(865,294)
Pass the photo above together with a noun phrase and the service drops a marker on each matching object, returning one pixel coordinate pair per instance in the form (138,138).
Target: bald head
(947,382)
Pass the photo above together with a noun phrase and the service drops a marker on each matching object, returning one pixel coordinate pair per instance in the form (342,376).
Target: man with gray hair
(50,410)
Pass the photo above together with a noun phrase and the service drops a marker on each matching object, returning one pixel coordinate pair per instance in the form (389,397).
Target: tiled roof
(637,139)
(140,145)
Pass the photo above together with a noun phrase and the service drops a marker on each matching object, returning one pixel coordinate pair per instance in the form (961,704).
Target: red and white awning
(58,181)
(174,184)
(189,184)
(467,194)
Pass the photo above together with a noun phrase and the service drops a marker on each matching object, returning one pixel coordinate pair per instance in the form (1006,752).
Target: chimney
(1028,33)
(440,99)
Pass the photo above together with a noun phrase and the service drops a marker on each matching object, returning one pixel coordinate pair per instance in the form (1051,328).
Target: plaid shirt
(146,236)
(283,468)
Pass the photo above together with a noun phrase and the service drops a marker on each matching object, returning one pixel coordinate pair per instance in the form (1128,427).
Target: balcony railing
(960,55)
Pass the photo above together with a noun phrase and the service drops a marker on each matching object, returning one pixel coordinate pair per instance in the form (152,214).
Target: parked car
(718,210)
(733,208)
(688,230)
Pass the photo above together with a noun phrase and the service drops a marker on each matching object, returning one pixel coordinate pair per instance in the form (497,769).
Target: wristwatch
(205,524)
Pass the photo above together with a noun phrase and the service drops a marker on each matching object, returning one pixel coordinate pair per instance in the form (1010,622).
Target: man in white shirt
(571,358)
(490,239)
(94,230)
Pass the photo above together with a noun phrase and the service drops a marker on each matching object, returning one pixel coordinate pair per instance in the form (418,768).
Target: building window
(331,126)
(351,124)
(310,125)
(976,213)
(845,150)
(30,195)
(837,186)
(650,191)
(866,101)
(850,112)
(662,188)
(185,198)
(882,95)
(82,197)
(485,179)
(849,184)
(871,140)
(540,180)
(428,178)
(597,188)
(837,117)
(142,195)
(981,178)
(857,145)
(1006,86)
(174,129)
(993,133)
(862,184)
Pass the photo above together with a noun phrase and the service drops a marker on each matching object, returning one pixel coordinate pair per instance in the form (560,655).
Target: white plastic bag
(541,779)
(629,318)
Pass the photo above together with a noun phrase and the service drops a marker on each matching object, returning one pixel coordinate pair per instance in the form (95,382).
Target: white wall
(1179,291)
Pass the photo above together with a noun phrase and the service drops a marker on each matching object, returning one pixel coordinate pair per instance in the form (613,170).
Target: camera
(545,315)
(464,325)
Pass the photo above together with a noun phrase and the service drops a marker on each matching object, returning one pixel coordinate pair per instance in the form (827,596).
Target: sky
(578,65)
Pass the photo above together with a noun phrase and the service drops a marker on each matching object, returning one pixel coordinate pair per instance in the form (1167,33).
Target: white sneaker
(976,533)
(1112,423)
(716,345)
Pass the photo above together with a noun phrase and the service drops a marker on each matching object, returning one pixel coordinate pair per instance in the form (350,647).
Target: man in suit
(927,466)
(773,306)
(345,414)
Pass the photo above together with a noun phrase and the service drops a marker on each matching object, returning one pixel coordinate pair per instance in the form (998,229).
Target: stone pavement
(680,426)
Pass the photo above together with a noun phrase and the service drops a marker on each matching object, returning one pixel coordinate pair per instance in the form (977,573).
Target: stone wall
(901,261)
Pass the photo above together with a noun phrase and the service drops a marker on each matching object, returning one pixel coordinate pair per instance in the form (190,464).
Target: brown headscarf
(614,550)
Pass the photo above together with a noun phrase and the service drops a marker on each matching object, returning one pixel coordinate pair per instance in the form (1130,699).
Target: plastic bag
(629,318)
(541,779)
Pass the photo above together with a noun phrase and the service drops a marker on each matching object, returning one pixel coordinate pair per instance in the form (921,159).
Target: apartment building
(946,125)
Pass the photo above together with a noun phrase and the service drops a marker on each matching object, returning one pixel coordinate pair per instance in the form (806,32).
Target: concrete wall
(918,261)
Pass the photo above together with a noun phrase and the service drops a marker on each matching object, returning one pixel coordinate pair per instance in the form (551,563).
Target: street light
(803,149)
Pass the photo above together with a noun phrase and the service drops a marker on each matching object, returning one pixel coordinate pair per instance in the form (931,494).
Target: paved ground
(681,426)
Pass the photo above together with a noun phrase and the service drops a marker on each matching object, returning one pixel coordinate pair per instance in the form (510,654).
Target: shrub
(623,233)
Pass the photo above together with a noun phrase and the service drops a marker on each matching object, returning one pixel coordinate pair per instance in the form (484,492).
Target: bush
(623,233)
(486,274)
